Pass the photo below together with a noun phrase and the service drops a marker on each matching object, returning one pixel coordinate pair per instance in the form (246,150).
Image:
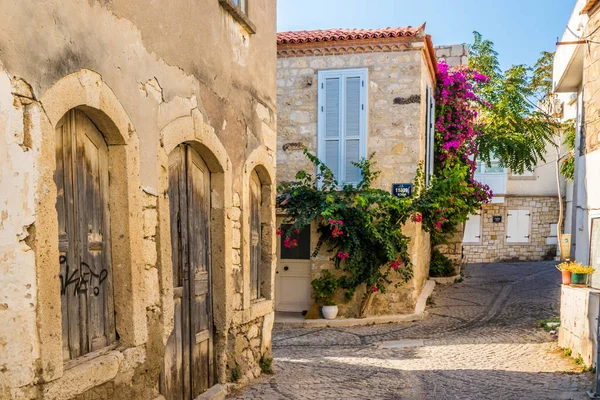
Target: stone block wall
(493,246)
(396,111)
(454,55)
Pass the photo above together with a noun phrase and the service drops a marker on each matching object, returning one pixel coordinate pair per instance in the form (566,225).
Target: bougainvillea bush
(360,227)
(453,193)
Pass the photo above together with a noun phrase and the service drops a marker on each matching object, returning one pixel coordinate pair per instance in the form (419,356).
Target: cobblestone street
(480,340)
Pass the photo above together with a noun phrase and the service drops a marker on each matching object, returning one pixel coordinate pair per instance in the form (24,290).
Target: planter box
(579,279)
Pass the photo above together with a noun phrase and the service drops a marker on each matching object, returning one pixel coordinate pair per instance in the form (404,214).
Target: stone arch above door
(85,91)
(200,136)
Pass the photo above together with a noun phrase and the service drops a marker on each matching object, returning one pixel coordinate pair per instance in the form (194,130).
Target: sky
(520,29)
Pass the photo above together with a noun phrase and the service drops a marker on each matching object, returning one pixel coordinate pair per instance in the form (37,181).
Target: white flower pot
(330,312)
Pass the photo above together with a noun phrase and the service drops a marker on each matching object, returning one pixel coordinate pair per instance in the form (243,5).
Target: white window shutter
(332,125)
(473,229)
(342,122)
(352,134)
(524,216)
(512,226)
(517,226)
(429,135)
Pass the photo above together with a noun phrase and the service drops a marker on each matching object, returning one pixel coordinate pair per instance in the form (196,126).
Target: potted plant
(324,289)
(565,269)
(580,274)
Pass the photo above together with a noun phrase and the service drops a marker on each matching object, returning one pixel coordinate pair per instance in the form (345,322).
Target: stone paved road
(481,340)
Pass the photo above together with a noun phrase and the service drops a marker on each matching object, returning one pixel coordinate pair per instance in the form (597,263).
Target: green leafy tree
(515,129)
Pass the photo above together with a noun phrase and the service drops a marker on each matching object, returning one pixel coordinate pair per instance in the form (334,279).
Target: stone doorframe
(194,131)
(85,90)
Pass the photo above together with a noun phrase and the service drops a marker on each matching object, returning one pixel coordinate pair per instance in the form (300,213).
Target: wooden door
(188,365)
(255,236)
(293,275)
(84,236)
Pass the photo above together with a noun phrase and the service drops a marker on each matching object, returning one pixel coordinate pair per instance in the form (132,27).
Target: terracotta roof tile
(331,35)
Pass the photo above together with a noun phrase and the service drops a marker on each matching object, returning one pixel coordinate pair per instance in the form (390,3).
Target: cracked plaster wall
(162,64)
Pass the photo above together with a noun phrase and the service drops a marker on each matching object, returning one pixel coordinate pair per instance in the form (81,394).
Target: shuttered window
(81,178)
(255,235)
(517,226)
(473,229)
(430,134)
(343,121)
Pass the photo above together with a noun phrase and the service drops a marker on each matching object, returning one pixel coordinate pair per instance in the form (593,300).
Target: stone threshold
(217,392)
(297,320)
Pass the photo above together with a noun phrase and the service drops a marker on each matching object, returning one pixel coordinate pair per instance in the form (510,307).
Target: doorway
(293,274)
(188,368)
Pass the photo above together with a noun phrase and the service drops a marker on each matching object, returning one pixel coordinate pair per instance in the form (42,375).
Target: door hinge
(507,236)
(528,215)
(478,236)
(322,109)
(362,106)
(527,237)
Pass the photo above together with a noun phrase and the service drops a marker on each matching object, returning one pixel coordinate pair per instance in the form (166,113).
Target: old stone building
(344,94)
(137,151)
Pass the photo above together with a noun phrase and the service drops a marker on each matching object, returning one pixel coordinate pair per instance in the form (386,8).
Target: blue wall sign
(402,189)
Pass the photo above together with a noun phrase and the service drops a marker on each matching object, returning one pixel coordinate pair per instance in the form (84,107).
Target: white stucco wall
(578,322)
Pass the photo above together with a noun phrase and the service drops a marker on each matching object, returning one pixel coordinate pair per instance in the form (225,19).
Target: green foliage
(324,288)
(567,352)
(441,266)
(549,324)
(236,373)
(448,200)
(514,129)
(567,168)
(579,360)
(266,365)
(360,226)
(430,301)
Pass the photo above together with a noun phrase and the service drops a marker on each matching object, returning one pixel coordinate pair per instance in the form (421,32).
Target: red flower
(417,217)
(396,264)
(289,243)
(336,232)
(342,255)
(297,231)
(374,289)
(279,231)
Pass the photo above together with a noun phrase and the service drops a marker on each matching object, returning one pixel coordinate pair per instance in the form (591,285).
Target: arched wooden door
(81,176)
(188,368)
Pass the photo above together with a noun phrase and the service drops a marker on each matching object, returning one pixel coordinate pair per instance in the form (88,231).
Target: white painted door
(293,275)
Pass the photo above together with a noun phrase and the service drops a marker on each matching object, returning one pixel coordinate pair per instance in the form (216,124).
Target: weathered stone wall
(493,247)
(454,55)
(395,132)
(149,77)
